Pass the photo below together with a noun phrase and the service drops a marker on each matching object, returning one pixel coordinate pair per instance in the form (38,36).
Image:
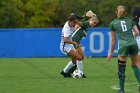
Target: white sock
(68,67)
(79,65)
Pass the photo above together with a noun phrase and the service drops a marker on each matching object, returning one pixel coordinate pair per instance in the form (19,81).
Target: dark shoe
(65,75)
(121,91)
(84,76)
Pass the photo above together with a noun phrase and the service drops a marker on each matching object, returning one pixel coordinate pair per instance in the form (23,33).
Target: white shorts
(138,41)
(65,48)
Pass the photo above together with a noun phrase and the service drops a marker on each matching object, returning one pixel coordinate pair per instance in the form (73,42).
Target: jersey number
(123,25)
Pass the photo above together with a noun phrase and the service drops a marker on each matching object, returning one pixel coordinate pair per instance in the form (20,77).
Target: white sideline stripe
(116,87)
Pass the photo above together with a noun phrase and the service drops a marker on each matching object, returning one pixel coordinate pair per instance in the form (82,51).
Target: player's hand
(76,45)
(110,55)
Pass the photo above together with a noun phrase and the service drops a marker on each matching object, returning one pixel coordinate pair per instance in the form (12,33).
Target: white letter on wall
(92,43)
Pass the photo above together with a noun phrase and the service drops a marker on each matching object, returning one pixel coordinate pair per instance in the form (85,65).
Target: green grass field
(41,75)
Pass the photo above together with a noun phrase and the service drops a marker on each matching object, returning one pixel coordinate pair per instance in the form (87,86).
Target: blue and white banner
(45,42)
(97,42)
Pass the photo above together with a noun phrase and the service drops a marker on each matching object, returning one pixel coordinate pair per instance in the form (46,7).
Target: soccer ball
(77,74)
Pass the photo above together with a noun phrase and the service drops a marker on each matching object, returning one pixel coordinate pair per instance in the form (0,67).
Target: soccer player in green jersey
(127,46)
(90,20)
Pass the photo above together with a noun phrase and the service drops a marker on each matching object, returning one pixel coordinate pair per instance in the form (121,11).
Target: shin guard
(121,73)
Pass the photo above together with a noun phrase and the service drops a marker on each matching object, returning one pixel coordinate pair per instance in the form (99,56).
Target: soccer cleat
(65,75)
(121,91)
(84,76)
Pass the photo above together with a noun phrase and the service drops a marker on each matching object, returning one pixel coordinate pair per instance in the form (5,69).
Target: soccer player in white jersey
(136,17)
(88,20)
(67,46)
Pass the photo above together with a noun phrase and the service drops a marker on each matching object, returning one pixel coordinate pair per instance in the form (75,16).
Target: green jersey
(123,28)
(80,32)
(85,26)
(85,18)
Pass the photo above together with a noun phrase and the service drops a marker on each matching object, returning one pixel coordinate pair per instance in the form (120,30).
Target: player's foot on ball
(121,91)
(84,76)
(65,75)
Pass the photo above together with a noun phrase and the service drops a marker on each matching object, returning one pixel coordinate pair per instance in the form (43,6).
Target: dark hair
(135,11)
(136,15)
(74,16)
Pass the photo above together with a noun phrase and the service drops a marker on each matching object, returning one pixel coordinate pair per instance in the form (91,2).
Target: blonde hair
(90,13)
(121,11)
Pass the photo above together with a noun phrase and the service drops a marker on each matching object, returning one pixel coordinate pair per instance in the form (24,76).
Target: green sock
(121,82)
(137,73)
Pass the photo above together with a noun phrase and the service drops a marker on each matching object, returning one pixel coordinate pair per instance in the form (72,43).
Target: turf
(41,75)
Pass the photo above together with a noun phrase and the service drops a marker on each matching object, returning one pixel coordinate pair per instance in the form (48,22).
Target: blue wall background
(44,42)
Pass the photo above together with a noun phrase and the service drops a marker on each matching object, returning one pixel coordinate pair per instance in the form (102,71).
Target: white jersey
(138,42)
(67,31)
(138,38)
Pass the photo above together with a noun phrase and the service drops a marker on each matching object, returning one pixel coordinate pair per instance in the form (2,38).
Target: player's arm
(136,31)
(67,40)
(79,24)
(113,42)
(67,35)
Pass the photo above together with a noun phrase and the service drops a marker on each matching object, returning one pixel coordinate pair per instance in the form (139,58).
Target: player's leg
(138,56)
(80,51)
(70,51)
(138,60)
(70,64)
(121,72)
(122,52)
(80,63)
(74,56)
(133,55)
(74,67)
(78,59)
(135,68)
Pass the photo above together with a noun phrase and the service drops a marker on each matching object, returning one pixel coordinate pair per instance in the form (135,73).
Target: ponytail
(121,11)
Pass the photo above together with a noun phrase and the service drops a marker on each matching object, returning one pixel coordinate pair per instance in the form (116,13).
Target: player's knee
(83,57)
(121,68)
(79,58)
(74,61)
(121,63)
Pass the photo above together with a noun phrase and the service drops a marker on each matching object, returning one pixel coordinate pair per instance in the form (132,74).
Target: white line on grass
(116,87)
